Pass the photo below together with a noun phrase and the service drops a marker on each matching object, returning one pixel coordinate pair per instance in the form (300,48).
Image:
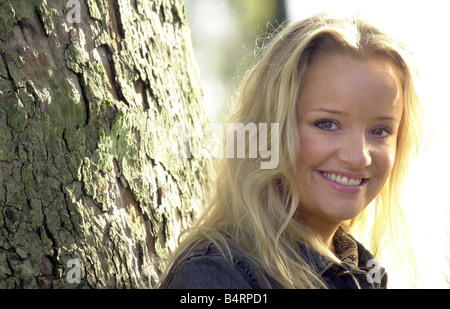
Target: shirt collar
(347,249)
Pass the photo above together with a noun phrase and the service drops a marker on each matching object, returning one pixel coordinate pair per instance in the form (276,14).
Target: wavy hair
(256,208)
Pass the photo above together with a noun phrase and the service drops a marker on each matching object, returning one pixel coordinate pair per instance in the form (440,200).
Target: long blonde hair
(255,207)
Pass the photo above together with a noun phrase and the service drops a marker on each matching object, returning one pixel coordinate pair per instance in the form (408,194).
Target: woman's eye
(326,125)
(381,132)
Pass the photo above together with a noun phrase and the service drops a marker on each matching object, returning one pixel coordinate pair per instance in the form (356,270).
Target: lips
(346,183)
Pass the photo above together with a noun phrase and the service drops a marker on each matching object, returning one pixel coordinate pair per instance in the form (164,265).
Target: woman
(343,94)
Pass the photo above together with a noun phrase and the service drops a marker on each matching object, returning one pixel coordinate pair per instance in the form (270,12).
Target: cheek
(384,162)
(313,150)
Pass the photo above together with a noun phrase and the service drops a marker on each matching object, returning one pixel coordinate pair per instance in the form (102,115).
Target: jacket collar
(352,253)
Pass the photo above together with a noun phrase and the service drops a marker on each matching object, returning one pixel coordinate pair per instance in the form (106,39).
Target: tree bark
(99,109)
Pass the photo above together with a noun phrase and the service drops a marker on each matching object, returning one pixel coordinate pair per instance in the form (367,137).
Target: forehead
(351,84)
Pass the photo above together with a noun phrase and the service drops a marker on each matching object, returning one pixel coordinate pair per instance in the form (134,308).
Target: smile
(343,180)
(344,184)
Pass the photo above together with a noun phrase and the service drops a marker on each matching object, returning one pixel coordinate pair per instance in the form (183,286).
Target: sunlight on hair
(422,26)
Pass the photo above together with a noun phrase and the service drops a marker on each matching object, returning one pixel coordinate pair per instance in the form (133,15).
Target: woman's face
(349,115)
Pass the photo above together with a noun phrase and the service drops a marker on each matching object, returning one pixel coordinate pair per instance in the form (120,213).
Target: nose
(355,152)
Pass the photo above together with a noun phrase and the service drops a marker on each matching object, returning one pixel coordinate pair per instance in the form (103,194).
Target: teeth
(343,180)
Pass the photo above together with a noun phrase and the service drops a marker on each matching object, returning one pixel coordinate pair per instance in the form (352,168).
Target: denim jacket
(206,267)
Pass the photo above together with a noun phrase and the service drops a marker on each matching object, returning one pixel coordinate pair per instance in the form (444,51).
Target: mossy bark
(93,164)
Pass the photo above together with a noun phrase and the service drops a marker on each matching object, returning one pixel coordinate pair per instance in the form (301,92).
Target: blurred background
(225,34)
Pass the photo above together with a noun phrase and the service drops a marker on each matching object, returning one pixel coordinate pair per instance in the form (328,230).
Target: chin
(344,213)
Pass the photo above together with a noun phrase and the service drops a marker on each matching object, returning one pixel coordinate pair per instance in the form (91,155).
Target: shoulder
(212,266)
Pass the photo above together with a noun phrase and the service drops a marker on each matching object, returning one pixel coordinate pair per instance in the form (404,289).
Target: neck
(327,236)
(324,229)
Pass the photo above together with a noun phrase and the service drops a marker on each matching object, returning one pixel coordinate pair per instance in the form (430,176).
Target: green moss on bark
(91,123)
(7,19)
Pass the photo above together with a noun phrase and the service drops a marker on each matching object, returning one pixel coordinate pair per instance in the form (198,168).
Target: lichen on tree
(90,162)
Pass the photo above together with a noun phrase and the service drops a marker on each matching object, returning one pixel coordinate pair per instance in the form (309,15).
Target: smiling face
(349,115)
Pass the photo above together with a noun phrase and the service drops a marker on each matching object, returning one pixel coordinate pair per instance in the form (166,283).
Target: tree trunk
(99,107)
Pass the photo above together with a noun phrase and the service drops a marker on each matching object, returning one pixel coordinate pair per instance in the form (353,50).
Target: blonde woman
(343,95)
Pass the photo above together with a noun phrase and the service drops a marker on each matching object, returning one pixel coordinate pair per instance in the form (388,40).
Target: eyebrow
(330,111)
(337,112)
